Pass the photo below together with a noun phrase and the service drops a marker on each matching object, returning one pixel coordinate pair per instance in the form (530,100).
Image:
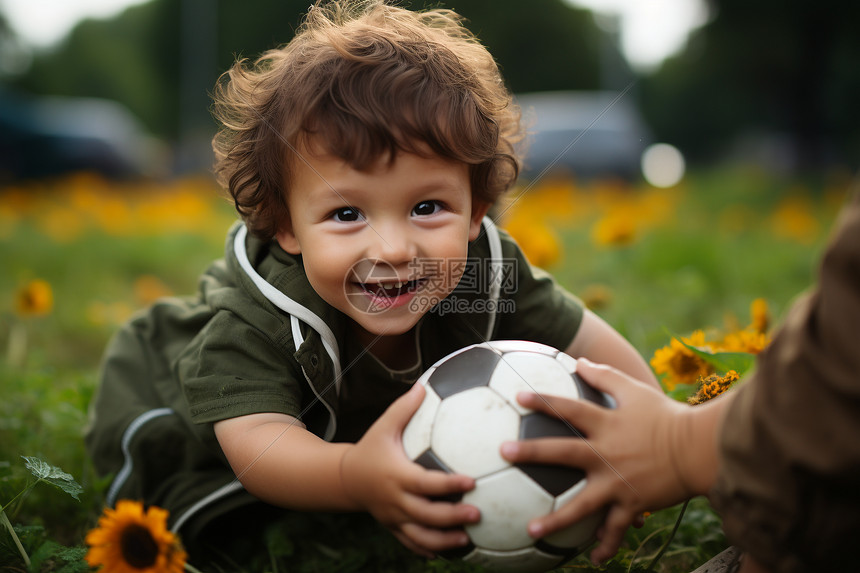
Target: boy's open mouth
(391,288)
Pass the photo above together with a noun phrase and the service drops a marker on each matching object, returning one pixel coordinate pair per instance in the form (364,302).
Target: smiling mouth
(391,289)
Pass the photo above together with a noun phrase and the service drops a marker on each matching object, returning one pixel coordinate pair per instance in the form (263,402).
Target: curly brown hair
(366,79)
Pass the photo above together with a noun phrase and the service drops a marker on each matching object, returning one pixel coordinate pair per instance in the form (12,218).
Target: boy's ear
(479,210)
(287,238)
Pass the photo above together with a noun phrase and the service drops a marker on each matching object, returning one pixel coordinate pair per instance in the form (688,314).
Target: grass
(648,261)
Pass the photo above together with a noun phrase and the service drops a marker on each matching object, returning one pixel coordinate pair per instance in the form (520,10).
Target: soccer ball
(469,410)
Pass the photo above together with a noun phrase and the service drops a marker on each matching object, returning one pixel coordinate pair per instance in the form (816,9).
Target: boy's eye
(346,215)
(426,208)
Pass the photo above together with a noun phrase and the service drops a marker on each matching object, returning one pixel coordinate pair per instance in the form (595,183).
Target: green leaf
(740,362)
(53,475)
(682,391)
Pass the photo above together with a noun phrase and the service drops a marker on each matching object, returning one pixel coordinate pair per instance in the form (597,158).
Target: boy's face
(382,245)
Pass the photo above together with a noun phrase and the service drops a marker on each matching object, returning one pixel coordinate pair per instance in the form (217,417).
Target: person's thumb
(401,410)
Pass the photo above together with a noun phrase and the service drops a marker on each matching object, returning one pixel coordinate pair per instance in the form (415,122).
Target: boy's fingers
(614,527)
(434,483)
(604,378)
(434,540)
(563,451)
(580,413)
(588,502)
(440,514)
(412,546)
(401,410)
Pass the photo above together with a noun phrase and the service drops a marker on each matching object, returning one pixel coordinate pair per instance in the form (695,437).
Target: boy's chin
(378,325)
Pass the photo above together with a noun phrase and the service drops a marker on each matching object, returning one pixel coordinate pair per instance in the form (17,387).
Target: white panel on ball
(416,435)
(469,430)
(521,345)
(581,532)
(568,361)
(507,500)
(531,372)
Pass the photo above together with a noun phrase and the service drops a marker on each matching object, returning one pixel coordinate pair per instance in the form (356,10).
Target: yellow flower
(127,540)
(748,340)
(112,314)
(760,315)
(538,241)
(712,386)
(793,219)
(557,199)
(680,364)
(617,228)
(149,288)
(61,224)
(596,296)
(34,299)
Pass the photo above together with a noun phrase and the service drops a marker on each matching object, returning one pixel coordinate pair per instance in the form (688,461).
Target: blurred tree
(14,56)
(131,59)
(786,69)
(136,58)
(539,45)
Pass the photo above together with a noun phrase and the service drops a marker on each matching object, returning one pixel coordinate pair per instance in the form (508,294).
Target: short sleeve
(233,369)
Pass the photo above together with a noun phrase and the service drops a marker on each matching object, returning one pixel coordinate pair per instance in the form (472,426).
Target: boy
(363,157)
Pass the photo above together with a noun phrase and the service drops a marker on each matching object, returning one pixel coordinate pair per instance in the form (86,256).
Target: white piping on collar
(294,309)
(496,270)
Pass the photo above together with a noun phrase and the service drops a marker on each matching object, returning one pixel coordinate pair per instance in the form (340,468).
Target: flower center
(686,364)
(139,549)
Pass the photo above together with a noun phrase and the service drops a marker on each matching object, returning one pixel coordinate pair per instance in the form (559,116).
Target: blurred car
(586,134)
(48,136)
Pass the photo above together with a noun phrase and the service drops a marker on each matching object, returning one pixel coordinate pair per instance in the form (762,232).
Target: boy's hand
(379,477)
(630,454)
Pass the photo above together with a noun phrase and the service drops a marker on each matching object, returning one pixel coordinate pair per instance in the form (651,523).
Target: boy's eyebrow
(443,183)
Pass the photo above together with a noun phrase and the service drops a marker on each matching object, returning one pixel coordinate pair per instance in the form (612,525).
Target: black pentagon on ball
(565,552)
(554,479)
(469,369)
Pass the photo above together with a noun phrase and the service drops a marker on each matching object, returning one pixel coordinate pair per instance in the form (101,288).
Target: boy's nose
(394,244)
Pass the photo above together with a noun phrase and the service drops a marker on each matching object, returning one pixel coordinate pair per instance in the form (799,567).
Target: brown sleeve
(788,486)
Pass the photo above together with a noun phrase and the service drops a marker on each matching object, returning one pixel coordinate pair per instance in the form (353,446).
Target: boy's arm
(282,463)
(265,450)
(602,344)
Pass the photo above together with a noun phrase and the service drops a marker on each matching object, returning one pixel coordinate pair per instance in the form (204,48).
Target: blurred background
(120,86)
(685,162)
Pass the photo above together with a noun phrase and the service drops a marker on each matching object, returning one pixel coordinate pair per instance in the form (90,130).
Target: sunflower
(536,238)
(760,315)
(616,229)
(34,299)
(680,364)
(127,540)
